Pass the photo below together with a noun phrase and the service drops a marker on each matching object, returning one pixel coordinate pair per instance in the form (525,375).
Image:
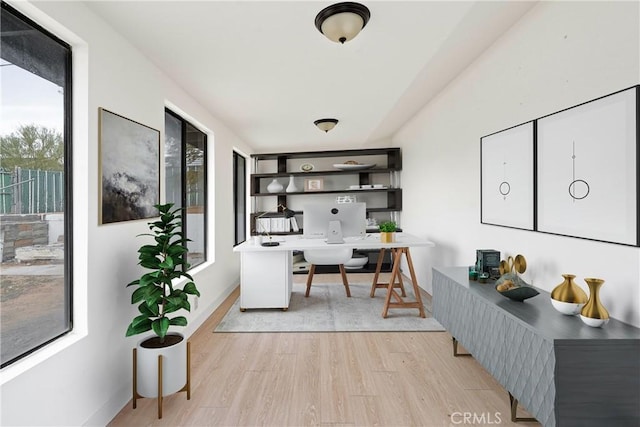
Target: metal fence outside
(29,191)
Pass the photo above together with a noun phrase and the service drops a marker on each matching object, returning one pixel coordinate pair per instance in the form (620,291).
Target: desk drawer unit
(266,279)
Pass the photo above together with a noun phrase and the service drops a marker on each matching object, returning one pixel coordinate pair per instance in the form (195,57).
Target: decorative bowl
(352,166)
(568,308)
(517,293)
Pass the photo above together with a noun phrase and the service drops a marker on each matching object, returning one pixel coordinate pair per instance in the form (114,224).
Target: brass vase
(568,298)
(593,313)
(387,237)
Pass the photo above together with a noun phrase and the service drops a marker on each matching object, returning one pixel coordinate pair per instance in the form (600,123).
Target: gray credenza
(562,371)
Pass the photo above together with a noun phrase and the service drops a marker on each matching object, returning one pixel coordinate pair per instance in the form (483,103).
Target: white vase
(174,368)
(274,187)
(291,188)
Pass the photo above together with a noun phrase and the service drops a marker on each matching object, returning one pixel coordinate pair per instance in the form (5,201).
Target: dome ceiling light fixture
(326,124)
(341,22)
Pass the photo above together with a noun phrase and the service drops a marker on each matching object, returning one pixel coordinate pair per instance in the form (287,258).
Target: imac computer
(334,221)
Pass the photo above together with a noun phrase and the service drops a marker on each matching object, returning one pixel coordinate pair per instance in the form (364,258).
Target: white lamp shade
(326,125)
(342,27)
(341,22)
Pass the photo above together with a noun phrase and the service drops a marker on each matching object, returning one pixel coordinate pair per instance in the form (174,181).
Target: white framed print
(507,177)
(587,170)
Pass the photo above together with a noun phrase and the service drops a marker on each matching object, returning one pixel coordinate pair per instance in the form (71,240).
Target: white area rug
(327,309)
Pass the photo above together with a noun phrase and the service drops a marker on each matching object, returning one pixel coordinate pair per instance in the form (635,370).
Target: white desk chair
(335,255)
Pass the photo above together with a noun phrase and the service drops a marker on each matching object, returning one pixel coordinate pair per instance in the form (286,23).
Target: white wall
(87,380)
(558,55)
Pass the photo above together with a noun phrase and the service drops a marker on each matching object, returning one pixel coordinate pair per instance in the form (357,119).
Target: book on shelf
(263,225)
(294,224)
(279,225)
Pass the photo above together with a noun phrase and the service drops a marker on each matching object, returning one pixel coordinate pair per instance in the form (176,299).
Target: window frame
(68,180)
(183,184)
(240,226)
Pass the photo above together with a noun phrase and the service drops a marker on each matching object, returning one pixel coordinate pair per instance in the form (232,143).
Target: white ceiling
(265,70)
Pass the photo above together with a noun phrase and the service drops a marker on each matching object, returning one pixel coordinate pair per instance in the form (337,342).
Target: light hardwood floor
(327,379)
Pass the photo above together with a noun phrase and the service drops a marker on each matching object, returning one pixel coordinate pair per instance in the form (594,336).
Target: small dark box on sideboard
(488,261)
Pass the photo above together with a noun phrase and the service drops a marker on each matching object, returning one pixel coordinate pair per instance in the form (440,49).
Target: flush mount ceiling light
(341,22)
(326,124)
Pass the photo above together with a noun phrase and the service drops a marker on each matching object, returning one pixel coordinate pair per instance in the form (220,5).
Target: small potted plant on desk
(388,231)
(161,361)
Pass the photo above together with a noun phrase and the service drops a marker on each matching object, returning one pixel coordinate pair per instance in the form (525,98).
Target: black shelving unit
(392,168)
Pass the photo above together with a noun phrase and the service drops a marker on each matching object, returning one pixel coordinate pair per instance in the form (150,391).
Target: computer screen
(333,221)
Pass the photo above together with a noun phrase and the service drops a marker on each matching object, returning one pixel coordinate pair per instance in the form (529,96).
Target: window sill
(23,365)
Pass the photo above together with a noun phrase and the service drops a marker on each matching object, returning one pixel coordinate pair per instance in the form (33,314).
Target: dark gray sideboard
(562,371)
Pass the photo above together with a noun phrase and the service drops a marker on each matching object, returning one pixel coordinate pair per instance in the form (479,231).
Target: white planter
(174,368)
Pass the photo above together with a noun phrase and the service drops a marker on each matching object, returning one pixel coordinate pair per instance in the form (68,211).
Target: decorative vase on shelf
(291,188)
(593,313)
(274,187)
(568,298)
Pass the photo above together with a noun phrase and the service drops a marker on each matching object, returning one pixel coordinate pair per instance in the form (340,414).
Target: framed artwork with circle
(507,177)
(587,170)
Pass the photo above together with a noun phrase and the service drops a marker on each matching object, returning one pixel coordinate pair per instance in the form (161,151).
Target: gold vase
(568,298)
(387,237)
(593,313)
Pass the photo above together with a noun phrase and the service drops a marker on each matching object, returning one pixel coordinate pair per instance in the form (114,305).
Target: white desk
(266,275)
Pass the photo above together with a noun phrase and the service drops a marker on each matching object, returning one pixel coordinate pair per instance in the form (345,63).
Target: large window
(186,178)
(35,186)
(240,197)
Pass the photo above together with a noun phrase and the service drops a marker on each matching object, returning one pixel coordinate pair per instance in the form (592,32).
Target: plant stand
(187,386)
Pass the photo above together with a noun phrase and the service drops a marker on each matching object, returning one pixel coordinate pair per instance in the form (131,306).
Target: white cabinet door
(266,279)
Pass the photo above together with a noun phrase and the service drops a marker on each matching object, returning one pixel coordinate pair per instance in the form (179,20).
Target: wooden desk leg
(414,280)
(400,283)
(391,292)
(392,279)
(374,285)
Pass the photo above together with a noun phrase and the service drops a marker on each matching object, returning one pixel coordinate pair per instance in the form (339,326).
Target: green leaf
(149,279)
(139,328)
(174,300)
(139,320)
(160,326)
(167,263)
(139,294)
(164,208)
(190,288)
(149,311)
(177,250)
(154,296)
(179,321)
(150,263)
(172,308)
(167,218)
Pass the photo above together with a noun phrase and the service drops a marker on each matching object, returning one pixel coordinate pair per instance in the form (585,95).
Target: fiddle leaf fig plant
(158,294)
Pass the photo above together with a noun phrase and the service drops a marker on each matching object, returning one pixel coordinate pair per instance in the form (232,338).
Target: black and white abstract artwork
(507,177)
(587,170)
(129,169)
